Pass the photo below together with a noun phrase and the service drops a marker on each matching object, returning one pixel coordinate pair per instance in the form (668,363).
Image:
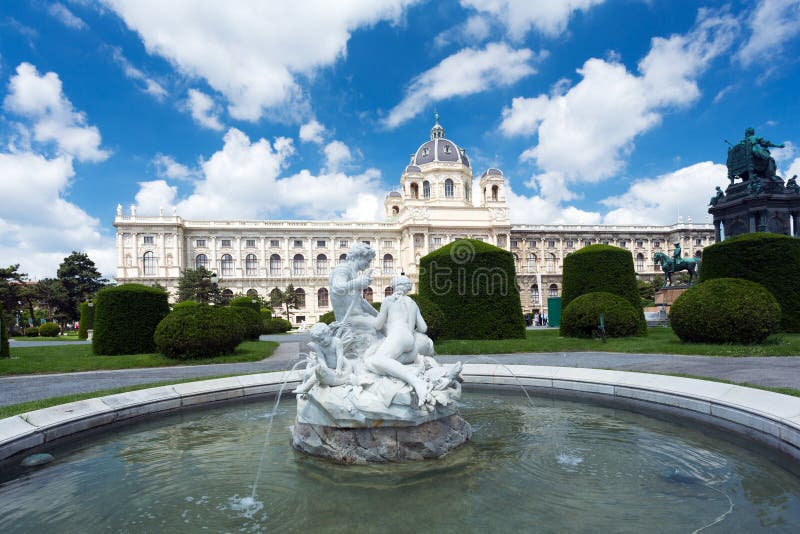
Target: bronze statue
(716,198)
(750,158)
(791,185)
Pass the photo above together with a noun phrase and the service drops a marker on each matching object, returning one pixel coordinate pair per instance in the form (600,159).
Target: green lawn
(71,358)
(659,340)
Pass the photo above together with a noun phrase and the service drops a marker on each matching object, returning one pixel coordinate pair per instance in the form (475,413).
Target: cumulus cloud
(466,72)
(520,16)
(474,30)
(155,196)
(167,167)
(312,132)
(145,82)
(773,23)
(336,155)
(794,169)
(203,110)
(61,13)
(253,55)
(662,199)
(40,99)
(543,209)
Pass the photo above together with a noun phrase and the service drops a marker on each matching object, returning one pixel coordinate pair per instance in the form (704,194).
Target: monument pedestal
(666,296)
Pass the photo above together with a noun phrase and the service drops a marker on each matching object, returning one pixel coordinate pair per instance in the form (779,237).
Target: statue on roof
(750,158)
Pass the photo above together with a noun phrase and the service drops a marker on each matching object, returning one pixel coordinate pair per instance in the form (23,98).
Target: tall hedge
(474,285)
(5,351)
(125,318)
(246,302)
(772,260)
(86,321)
(202,331)
(602,268)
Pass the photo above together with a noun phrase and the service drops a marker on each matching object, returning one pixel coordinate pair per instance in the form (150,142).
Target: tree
(80,279)
(286,299)
(50,294)
(195,284)
(10,285)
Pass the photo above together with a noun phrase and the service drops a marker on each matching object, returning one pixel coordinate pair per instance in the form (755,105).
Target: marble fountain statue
(372,390)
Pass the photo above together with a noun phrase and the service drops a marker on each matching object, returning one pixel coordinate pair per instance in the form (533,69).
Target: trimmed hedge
(266,314)
(276,325)
(474,285)
(433,315)
(86,321)
(185,304)
(327,317)
(246,302)
(602,268)
(195,332)
(126,317)
(31,331)
(5,350)
(725,310)
(49,330)
(582,317)
(772,260)
(251,320)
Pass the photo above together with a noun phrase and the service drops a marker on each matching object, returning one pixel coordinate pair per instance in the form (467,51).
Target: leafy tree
(50,294)
(648,288)
(195,284)
(81,280)
(287,300)
(10,286)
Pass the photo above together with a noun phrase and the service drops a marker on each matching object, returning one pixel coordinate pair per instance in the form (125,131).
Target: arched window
(275,294)
(322,298)
(388,264)
(275,265)
(395,210)
(227,296)
(414,190)
(551,263)
(201,261)
(426,189)
(250,265)
(367,294)
(298,264)
(640,262)
(535,293)
(532,263)
(252,293)
(698,254)
(553,291)
(226,265)
(388,291)
(448,188)
(495,193)
(149,263)
(300,295)
(342,258)
(322,264)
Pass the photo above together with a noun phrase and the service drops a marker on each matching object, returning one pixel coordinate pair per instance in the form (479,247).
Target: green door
(554,311)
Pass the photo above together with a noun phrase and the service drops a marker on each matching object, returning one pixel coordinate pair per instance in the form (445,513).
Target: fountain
(372,390)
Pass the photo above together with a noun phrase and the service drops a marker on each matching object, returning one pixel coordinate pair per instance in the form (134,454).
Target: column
(717,235)
(752,217)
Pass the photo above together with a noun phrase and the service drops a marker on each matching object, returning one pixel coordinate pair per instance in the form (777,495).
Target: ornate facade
(434,206)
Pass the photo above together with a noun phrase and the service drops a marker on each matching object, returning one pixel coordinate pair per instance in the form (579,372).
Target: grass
(67,337)
(23,407)
(72,358)
(659,340)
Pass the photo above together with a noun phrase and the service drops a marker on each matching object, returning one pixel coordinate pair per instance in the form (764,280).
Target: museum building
(433,207)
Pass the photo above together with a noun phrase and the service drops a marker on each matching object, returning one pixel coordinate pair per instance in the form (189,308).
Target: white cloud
(794,169)
(155,196)
(773,24)
(148,84)
(586,132)
(312,131)
(540,209)
(336,155)
(661,200)
(520,16)
(243,180)
(466,72)
(252,54)
(167,167)
(65,16)
(203,110)
(40,99)
(474,30)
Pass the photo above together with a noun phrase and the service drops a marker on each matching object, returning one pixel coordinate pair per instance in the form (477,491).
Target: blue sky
(597,111)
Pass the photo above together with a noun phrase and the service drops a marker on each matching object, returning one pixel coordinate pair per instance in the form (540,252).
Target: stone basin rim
(772,419)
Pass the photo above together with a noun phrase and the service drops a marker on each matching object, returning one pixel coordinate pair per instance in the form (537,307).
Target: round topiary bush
(49,330)
(771,260)
(246,302)
(198,332)
(602,268)
(266,314)
(725,310)
(474,285)
(582,317)
(433,315)
(31,331)
(86,320)
(276,325)
(125,318)
(185,304)
(251,320)
(327,317)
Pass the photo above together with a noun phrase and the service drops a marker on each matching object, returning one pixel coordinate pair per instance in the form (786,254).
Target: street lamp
(214,281)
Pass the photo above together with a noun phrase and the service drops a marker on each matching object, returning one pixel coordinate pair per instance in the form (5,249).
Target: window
(535,293)
(149,240)
(622,243)
(551,263)
(656,243)
(388,291)
(367,294)
(201,261)
(446,149)
(300,295)
(298,243)
(514,243)
(367,242)
(322,264)
(343,243)
(414,190)
(322,298)
(251,265)
(495,192)
(501,241)
(149,263)
(274,243)
(321,243)
(250,243)
(388,264)
(449,190)
(532,243)
(570,243)
(425,151)
(426,189)
(274,265)
(587,242)
(639,244)
(252,293)
(227,296)
(531,263)
(200,243)
(417,240)
(552,290)
(698,242)
(551,244)
(225,243)
(437,241)
(226,265)
(388,244)
(640,262)
(342,258)
(605,241)
(298,264)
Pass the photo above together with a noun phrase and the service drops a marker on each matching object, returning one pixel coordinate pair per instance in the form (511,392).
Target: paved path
(777,371)
(17,343)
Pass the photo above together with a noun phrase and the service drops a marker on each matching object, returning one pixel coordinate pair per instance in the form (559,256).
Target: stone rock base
(432,439)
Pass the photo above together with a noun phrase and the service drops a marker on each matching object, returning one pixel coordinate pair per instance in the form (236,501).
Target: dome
(493,172)
(438,149)
(413,168)
(395,194)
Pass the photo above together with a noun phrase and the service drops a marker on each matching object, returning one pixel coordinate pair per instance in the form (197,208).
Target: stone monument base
(432,439)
